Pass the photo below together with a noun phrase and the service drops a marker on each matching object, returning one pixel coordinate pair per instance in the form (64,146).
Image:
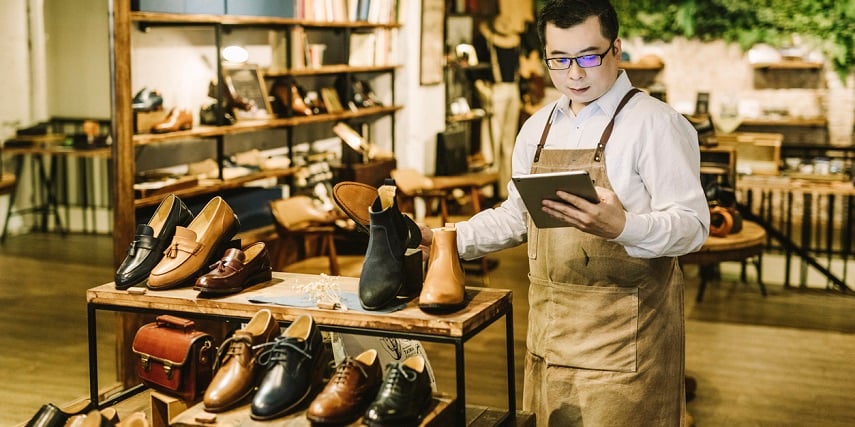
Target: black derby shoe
(50,415)
(404,396)
(293,367)
(151,240)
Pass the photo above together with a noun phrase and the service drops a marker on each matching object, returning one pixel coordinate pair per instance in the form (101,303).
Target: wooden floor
(784,360)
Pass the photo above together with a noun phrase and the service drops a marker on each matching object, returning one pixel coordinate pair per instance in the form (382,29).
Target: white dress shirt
(652,162)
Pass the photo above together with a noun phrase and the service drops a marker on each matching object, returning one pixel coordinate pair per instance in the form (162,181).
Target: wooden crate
(756,153)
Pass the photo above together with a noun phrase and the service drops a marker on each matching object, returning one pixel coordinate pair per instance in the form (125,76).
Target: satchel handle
(175,322)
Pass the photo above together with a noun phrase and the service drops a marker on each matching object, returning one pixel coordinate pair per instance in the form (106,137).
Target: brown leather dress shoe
(237,370)
(195,247)
(237,270)
(176,120)
(444,289)
(355,199)
(346,396)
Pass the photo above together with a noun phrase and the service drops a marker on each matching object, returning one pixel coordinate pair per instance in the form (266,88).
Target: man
(606,339)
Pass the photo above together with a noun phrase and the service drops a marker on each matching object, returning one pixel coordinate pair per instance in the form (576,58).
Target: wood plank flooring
(750,370)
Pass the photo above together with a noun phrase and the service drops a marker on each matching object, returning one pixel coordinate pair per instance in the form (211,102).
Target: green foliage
(826,24)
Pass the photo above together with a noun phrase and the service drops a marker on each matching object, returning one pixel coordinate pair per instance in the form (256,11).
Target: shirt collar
(607,103)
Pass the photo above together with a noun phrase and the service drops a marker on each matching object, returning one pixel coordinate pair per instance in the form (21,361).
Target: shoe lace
(281,350)
(232,346)
(346,368)
(396,375)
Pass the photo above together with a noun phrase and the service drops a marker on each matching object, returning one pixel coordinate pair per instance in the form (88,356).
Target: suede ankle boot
(389,235)
(444,288)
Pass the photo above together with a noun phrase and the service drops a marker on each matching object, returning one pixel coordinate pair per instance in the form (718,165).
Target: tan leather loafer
(444,289)
(195,247)
(346,396)
(237,369)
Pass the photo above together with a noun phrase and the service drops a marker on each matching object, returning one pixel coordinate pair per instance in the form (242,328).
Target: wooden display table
(748,243)
(485,306)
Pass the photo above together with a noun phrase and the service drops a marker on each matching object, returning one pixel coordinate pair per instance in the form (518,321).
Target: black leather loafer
(293,368)
(404,396)
(151,240)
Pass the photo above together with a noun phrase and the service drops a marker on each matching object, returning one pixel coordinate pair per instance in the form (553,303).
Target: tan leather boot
(444,289)
(238,371)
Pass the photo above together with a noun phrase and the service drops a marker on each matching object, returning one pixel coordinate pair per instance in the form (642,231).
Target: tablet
(536,187)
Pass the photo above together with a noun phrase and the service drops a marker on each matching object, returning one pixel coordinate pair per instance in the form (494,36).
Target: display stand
(485,306)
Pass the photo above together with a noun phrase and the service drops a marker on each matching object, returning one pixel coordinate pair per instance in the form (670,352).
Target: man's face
(582,85)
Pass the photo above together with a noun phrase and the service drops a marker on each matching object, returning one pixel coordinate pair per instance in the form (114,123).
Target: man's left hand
(605,219)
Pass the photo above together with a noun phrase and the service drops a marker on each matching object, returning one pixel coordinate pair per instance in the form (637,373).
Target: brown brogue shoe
(176,120)
(237,370)
(346,396)
(196,246)
(444,289)
(237,270)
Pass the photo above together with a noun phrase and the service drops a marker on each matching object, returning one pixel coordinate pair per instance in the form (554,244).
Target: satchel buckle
(146,362)
(204,353)
(167,369)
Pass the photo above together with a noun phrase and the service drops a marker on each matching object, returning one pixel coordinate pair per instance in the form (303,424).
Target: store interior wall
(63,70)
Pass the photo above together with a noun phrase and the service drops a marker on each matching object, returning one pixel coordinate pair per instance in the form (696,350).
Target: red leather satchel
(174,357)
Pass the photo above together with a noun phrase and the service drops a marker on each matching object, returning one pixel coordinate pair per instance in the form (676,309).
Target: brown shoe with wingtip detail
(346,396)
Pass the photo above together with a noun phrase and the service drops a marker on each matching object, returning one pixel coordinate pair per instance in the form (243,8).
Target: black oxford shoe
(50,415)
(293,367)
(151,240)
(404,396)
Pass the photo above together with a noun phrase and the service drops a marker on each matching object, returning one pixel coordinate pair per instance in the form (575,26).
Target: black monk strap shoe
(151,240)
(293,368)
(404,396)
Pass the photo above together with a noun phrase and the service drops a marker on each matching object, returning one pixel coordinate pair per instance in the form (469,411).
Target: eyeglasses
(584,61)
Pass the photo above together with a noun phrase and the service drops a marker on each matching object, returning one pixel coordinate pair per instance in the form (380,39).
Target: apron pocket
(587,327)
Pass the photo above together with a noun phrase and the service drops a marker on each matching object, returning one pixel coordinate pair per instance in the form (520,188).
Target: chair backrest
(410,181)
(298,213)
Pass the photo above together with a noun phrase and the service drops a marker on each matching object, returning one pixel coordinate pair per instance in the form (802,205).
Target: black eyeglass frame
(570,60)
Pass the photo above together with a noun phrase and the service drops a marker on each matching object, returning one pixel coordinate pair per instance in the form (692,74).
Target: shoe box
(276,8)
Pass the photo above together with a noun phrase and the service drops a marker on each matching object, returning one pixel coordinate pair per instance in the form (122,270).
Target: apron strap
(544,133)
(607,132)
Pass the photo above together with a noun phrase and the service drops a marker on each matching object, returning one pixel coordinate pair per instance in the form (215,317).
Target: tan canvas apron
(606,331)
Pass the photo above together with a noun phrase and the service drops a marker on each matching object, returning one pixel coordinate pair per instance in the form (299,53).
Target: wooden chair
(298,222)
(7,186)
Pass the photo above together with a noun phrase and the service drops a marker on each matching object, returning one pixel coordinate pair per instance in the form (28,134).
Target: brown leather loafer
(237,270)
(355,199)
(195,247)
(237,370)
(444,289)
(346,396)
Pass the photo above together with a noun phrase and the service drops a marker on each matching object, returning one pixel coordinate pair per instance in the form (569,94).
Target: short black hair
(567,13)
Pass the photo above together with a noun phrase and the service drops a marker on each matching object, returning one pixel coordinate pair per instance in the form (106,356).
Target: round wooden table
(747,244)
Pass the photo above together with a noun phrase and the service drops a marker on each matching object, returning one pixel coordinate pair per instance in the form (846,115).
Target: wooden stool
(748,243)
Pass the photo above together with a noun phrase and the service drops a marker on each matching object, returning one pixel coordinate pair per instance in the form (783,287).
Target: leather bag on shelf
(174,357)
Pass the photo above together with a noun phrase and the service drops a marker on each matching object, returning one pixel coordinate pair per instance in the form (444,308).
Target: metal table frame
(293,312)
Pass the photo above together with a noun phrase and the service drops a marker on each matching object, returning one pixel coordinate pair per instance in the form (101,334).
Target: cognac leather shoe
(237,270)
(404,396)
(236,369)
(390,233)
(107,417)
(293,367)
(355,199)
(151,241)
(176,120)
(353,386)
(196,246)
(50,415)
(444,289)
